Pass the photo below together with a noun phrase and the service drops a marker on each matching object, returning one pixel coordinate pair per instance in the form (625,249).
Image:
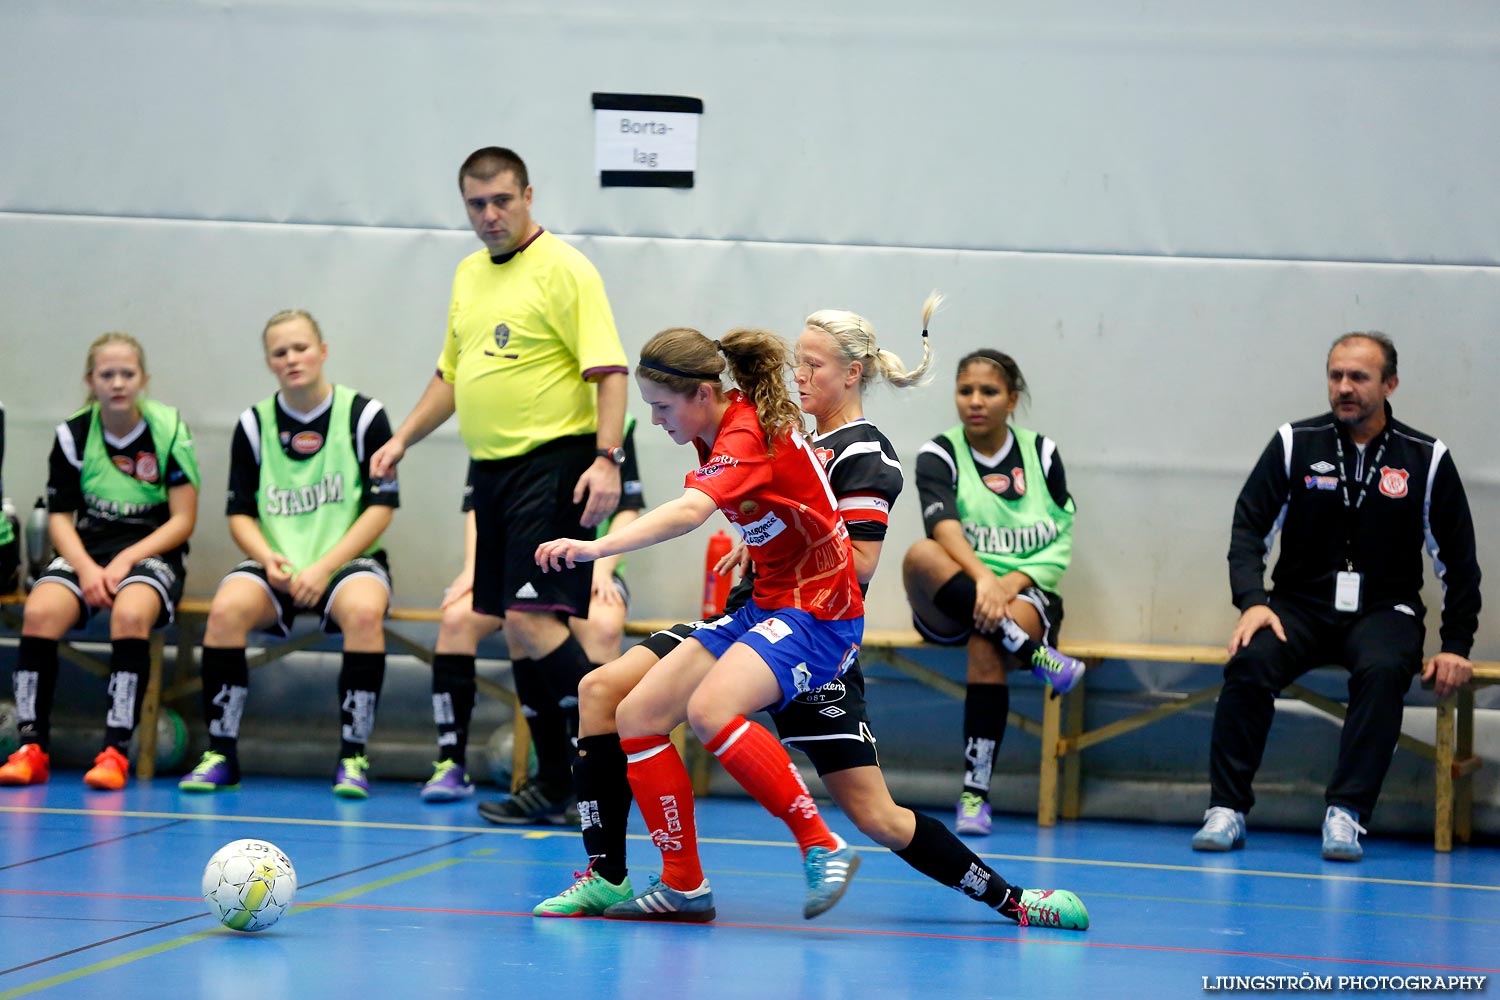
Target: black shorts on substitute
(519,503)
(1049,607)
(165,576)
(373,566)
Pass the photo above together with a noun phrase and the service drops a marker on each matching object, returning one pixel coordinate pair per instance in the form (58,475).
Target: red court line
(1070,942)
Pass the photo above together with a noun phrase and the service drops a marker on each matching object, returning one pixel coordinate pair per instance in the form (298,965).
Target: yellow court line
(150,951)
(533,834)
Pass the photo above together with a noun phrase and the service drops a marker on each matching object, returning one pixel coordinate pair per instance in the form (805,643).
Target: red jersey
(787,514)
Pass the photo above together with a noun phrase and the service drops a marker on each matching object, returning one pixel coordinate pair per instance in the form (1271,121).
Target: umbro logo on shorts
(527,592)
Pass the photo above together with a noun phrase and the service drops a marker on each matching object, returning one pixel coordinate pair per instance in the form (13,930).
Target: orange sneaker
(109,771)
(27,766)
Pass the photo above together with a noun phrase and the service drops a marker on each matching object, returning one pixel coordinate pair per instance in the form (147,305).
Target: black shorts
(519,503)
(10,565)
(1049,607)
(830,724)
(286,609)
(161,574)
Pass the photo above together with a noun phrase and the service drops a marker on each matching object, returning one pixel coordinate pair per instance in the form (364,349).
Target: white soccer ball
(249,884)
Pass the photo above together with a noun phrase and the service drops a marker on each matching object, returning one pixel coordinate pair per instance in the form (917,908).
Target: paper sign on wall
(646,140)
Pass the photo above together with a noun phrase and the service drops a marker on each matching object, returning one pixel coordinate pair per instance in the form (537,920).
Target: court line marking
(85,847)
(216,930)
(531,834)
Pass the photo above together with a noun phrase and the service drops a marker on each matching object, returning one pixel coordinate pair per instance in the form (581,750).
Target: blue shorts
(803,652)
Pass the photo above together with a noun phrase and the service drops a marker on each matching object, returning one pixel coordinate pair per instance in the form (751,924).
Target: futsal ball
(10,737)
(249,884)
(171,741)
(500,751)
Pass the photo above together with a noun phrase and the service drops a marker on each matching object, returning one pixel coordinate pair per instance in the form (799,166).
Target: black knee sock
(129,668)
(360,680)
(226,684)
(937,853)
(452,703)
(35,683)
(956,598)
(563,668)
(549,727)
(985,710)
(603,802)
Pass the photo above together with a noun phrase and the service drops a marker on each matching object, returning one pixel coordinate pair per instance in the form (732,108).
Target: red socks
(665,795)
(755,759)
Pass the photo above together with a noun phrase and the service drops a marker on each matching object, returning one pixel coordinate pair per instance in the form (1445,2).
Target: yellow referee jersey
(525,339)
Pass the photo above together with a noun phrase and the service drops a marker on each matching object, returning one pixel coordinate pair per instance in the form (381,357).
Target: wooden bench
(1060,730)
(192,615)
(1063,737)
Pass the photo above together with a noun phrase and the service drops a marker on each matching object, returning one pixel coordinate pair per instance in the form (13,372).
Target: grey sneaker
(659,901)
(534,805)
(1223,830)
(1341,832)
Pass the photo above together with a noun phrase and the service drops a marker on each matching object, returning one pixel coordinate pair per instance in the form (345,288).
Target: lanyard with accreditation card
(1346,584)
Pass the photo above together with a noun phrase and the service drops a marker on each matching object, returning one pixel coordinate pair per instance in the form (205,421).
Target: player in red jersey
(836,358)
(799,631)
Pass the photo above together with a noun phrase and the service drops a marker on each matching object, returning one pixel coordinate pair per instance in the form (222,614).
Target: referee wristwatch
(615,454)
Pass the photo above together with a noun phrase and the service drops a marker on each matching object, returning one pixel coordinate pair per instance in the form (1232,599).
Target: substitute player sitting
(306,511)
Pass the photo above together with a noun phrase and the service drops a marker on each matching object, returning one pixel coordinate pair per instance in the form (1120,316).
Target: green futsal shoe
(1047,908)
(589,896)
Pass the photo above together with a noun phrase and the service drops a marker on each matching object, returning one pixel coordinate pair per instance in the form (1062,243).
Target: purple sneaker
(973,816)
(214,773)
(350,781)
(1062,672)
(449,783)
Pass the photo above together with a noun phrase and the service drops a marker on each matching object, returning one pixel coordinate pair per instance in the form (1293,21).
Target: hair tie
(657,366)
(718,347)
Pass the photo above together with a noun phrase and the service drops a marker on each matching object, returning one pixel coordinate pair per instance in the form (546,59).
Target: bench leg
(1463,792)
(1442,827)
(145,765)
(1072,763)
(520,751)
(1046,805)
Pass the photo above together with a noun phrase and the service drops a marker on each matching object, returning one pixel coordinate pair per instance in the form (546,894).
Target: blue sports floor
(99,898)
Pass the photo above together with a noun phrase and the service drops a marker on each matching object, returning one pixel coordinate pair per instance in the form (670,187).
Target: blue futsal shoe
(828,875)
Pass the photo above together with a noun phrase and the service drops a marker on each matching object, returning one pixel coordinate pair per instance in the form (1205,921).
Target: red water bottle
(716,586)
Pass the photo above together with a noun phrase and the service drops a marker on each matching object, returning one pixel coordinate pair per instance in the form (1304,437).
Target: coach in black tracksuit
(1356,494)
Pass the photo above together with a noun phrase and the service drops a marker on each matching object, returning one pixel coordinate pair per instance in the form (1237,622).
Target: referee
(534,368)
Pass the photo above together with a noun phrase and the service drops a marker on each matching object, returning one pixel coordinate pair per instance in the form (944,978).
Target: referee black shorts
(519,503)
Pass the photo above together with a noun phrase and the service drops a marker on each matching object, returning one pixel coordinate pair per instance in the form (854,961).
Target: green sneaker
(590,896)
(1048,908)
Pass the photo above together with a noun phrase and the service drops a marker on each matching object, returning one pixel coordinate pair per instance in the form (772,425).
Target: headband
(657,366)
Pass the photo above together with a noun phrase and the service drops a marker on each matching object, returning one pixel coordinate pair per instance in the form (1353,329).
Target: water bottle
(38,542)
(716,586)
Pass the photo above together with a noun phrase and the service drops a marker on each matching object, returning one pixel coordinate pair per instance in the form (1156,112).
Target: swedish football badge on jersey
(502,336)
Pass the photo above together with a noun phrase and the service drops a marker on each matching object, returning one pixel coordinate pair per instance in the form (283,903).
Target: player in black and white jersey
(837,356)
(308,513)
(122,500)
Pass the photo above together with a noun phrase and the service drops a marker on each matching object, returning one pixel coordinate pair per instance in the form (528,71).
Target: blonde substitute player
(122,497)
(534,369)
(462,628)
(306,511)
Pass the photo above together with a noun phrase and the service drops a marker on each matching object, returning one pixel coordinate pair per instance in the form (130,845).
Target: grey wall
(1165,211)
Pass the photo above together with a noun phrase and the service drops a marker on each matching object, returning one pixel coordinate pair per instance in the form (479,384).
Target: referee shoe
(535,804)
